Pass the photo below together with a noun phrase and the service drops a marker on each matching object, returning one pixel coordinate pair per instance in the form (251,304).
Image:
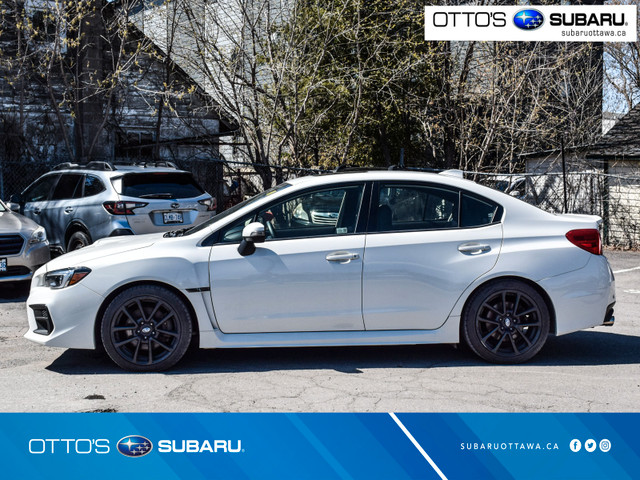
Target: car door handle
(68,209)
(342,257)
(474,248)
(36,211)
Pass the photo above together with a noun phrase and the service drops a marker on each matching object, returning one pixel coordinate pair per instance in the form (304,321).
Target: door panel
(36,199)
(61,209)
(289,285)
(411,280)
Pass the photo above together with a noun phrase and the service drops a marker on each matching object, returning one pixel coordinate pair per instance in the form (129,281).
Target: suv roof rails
(160,163)
(97,165)
(350,168)
(156,164)
(66,166)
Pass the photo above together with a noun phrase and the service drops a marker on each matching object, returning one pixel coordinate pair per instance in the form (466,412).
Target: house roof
(623,139)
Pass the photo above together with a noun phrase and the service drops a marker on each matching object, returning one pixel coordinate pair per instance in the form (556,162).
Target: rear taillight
(122,208)
(587,239)
(210,203)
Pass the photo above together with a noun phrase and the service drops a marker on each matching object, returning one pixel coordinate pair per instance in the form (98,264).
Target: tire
(146,328)
(77,241)
(506,321)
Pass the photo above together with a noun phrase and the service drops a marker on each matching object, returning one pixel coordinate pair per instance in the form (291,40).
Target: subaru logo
(134,446)
(528,19)
(175,205)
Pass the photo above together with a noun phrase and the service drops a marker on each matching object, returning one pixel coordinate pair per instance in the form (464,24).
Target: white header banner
(523,23)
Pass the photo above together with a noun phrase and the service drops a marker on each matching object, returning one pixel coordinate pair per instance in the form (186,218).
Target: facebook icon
(575,445)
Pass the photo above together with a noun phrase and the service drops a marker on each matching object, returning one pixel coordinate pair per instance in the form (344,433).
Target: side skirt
(447,333)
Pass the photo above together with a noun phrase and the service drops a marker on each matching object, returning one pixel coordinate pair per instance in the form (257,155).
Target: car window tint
(476,212)
(319,213)
(92,186)
(160,185)
(69,186)
(233,233)
(327,212)
(41,189)
(414,207)
(235,208)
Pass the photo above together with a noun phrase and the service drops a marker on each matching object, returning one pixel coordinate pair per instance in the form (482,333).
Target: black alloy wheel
(506,321)
(146,328)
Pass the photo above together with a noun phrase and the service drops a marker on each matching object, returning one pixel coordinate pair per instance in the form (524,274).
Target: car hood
(11,222)
(103,248)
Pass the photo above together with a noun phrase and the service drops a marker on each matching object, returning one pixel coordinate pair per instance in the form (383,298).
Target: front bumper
(582,298)
(21,267)
(72,312)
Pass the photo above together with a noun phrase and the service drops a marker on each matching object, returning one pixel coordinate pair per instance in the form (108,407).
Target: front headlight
(39,235)
(65,277)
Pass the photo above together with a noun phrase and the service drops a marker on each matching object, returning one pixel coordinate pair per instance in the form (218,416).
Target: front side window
(415,207)
(318,213)
(41,189)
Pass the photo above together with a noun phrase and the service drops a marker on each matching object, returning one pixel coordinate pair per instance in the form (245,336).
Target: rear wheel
(506,321)
(146,328)
(78,240)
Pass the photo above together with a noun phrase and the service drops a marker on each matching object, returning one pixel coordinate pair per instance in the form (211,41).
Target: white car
(367,258)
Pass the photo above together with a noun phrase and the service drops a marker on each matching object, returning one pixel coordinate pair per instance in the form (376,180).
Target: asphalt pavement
(594,370)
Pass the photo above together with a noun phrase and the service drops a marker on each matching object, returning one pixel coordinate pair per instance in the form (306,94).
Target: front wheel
(146,328)
(506,321)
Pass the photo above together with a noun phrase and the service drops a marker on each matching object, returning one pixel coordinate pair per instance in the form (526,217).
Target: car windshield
(159,185)
(2,207)
(237,207)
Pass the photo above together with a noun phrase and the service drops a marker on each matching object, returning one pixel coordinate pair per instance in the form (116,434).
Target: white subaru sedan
(367,258)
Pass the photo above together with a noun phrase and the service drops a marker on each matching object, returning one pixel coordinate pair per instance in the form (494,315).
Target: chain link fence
(613,197)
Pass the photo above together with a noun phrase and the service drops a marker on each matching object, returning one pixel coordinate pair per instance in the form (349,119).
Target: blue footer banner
(320,446)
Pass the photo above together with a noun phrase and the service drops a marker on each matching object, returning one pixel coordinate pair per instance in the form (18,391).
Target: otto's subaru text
(366,258)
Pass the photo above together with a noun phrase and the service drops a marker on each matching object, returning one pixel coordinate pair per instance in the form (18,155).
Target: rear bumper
(583,298)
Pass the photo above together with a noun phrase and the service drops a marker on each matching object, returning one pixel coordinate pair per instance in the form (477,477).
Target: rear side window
(69,186)
(92,186)
(158,185)
(476,212)
(414,207)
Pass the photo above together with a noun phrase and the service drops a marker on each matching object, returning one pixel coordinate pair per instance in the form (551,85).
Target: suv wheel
(78,240)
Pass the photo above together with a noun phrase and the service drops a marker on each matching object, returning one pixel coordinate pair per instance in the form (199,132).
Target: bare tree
(74,55)
(622,72)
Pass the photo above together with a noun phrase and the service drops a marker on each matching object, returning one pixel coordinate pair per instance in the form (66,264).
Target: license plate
(3,264)
(172,217)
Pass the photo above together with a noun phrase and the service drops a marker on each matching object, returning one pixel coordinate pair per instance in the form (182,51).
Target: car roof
(107,169)
(449,178)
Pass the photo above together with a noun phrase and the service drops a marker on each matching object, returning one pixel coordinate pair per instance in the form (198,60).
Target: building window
(44,27)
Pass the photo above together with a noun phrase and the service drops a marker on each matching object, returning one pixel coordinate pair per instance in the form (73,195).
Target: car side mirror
(251,234)
(17,202)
